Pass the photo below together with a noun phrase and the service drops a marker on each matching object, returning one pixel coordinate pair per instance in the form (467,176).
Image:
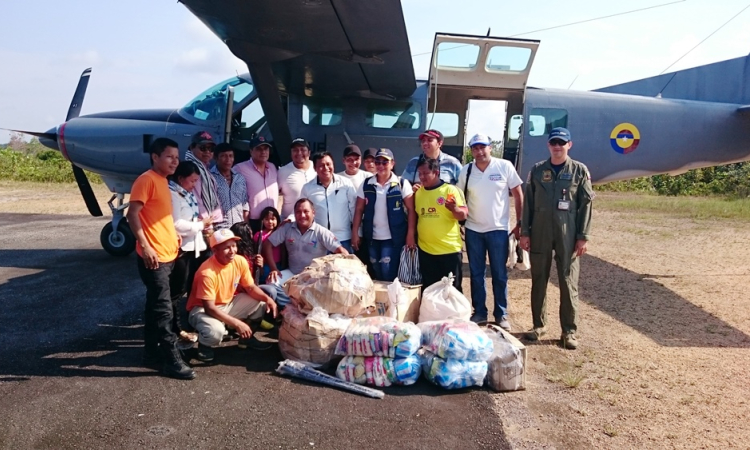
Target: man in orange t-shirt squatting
(150,219)
(213,305)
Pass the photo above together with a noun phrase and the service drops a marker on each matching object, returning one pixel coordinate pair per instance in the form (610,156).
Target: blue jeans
(384,259)
(347,244)
(478,245)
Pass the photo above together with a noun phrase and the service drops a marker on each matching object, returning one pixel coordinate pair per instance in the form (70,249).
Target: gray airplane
(339,72)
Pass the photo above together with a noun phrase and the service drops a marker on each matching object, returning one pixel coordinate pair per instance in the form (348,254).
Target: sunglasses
(557,143)
(206,148)
(381,162)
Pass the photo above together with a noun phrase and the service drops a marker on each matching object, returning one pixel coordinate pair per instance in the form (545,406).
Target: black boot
(175,367)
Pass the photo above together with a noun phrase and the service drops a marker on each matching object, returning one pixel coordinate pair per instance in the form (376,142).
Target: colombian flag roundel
(625,138)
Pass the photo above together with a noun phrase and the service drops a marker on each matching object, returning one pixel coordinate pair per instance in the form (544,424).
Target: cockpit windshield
(209,105)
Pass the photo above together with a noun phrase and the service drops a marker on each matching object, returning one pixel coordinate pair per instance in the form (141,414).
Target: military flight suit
(556,213)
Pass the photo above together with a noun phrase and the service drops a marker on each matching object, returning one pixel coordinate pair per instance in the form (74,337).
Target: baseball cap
(479,139)
(221,236)
(352,150)
(201,138)
(559,133)
(431,133)
(258,141)
(370,152)
(299,141)
(384,153)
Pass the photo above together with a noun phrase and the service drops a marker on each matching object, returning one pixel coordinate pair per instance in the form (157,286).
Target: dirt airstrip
(664,357)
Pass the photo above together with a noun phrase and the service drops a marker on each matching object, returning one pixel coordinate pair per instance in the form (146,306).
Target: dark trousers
(435,267)
(159,313)
(364,255)
(256,225)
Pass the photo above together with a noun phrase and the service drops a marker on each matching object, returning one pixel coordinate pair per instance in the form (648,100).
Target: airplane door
(479,67)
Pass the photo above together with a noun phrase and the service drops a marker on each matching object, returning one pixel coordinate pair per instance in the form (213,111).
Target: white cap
(221,236)
(479,139)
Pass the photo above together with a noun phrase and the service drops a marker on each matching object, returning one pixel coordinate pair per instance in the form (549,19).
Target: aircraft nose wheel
(119,242)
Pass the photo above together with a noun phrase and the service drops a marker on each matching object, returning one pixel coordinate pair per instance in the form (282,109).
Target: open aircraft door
(478,67)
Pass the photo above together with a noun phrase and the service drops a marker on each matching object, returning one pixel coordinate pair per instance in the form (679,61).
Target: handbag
(408,267)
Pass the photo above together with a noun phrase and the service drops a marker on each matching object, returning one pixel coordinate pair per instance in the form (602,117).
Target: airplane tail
(722,82)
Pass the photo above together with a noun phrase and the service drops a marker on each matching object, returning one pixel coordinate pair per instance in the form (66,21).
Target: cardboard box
(405,313)
(507,375)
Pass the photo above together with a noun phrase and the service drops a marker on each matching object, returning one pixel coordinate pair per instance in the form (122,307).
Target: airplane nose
(48,141)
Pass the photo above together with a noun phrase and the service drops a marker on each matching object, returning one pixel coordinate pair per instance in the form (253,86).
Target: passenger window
(401,115)
(508,59)
(514,127)
(447,123)
(543,120)
(451,55)
(324,113)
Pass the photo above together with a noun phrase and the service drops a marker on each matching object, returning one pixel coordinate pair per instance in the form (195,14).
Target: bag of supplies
(408,267)
(442,301)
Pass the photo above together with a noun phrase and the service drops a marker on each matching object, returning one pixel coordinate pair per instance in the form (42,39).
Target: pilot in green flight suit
(556,217)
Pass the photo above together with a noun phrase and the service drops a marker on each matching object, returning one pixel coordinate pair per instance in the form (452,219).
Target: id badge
(563,205)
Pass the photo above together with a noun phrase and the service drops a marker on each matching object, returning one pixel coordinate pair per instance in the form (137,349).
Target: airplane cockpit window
(322,112)
(543,120)
(451,55)
(387,114)
(447,123)
(508,59)
(209,105)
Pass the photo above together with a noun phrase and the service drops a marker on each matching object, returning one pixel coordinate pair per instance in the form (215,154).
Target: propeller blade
(39,134)
(77,102)
(86,191)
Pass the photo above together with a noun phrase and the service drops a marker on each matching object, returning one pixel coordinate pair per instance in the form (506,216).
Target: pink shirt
(261,236)
(262,188)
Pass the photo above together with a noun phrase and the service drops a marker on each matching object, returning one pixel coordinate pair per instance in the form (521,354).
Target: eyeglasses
(557,143)
(206,148)
(381,162)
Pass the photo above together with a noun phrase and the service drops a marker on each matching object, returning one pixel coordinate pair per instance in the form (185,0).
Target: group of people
(211,229)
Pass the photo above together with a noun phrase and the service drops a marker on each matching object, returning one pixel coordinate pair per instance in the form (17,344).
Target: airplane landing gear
(116,237)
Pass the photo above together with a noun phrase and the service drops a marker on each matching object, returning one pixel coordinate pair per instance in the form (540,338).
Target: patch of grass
(43,167)
(610,430)
(698,208)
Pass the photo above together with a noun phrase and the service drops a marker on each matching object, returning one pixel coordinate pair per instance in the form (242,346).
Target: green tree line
(31,161)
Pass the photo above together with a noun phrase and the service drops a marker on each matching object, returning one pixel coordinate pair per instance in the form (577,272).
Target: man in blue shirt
(431,142)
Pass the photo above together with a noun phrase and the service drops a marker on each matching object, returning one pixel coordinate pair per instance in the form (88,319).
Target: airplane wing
(318,47)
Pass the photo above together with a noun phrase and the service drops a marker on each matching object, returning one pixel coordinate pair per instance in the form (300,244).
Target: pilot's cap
(384,153)
(352,150)
(479,139)
(299,141)
(259,141)
(370,152)
(202,138)
(559,133)
(221,236)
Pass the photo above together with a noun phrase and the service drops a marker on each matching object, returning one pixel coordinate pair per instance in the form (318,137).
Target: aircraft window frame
(209,105)
(508,53)
(329,111)
(457,57)
(550,117)
(407,115)
(446,122)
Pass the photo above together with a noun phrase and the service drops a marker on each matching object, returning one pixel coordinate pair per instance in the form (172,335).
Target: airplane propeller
(74,111)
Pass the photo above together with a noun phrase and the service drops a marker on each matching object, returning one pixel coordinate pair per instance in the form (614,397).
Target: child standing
(270,220)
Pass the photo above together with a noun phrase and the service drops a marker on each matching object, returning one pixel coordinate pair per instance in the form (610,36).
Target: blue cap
(479,139)
(384,153)
(258,141)
(559,133)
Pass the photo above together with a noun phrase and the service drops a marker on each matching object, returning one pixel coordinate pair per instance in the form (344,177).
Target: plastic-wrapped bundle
(505,368)
(380,336)
(310,339)
(379,371)
(456,339)
(452,373)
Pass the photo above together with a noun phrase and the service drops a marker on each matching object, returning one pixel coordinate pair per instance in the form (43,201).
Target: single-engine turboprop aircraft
(344,74)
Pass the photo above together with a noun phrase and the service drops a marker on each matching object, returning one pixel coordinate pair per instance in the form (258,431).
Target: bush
(46,167)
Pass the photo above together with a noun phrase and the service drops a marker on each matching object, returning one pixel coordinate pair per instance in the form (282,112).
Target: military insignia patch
(547,176)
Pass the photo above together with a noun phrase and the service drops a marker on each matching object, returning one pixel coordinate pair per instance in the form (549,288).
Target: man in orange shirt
(212,305)
(150,218)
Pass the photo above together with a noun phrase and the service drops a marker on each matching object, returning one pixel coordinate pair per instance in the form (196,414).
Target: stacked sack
(324,298)
(454,353)
(379,351)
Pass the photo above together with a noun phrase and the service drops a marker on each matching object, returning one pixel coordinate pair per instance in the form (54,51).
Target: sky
(156,54)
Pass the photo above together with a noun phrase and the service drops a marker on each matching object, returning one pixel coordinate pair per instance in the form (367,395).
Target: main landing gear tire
(120,242)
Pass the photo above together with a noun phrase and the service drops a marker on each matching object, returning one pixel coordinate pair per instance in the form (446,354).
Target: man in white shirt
(294,175)
(334,199)
(487,183)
